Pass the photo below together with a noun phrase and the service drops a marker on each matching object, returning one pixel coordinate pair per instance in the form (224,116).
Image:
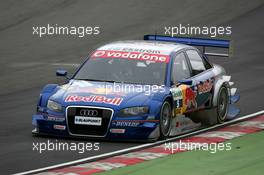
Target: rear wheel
(222,104)
(165,119)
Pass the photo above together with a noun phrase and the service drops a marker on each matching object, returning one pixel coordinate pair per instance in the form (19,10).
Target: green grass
(245,158)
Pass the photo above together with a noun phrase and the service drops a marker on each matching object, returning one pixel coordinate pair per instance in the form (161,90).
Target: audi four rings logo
(89,112)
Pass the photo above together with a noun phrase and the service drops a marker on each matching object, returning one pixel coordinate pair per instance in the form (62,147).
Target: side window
(196,61)
(180,68)
(206,63)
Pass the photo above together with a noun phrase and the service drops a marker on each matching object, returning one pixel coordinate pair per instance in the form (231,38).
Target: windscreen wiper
(110,81)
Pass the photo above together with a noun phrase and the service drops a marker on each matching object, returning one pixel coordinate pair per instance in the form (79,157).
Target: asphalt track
(29,62)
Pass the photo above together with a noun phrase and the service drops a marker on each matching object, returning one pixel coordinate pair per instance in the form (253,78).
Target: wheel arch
(46,92)
(223,81)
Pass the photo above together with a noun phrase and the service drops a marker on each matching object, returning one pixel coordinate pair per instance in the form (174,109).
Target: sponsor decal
(95,121)
(190,98)
(131,55)
(129,49)
(177,96)
(118,131)
(205,87)
(94,98)
(59,127)
(125,123)
(176,93)
(185,99)
(53,118)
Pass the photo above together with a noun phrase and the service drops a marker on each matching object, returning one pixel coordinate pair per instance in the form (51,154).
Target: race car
(139,90)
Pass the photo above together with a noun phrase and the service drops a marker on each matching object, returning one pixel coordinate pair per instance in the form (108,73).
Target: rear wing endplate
(204,43)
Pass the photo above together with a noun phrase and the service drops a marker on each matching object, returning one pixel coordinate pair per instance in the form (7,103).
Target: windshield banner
(131,55)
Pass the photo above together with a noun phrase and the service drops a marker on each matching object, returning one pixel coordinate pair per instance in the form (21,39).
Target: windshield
(134,71)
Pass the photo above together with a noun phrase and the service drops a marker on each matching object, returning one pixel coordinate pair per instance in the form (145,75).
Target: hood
(104,94)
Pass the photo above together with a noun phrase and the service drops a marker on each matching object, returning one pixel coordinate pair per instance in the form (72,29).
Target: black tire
(222,104)
(165,120)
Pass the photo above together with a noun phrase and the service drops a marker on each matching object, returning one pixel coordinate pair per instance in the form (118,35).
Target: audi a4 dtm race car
(142,90)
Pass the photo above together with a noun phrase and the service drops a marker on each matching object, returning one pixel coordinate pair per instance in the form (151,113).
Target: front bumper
(132,129)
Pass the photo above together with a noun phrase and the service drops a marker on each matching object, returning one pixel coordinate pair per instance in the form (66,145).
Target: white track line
(66,64)
(140,146)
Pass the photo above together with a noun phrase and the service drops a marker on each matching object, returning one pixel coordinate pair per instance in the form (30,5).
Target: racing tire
(165,120)
(222,104)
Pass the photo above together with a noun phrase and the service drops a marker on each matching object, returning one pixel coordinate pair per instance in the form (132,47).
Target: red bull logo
(205,87)
(190,100)
(94,98)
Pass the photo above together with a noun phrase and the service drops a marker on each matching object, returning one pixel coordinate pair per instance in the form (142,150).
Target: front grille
(88,130)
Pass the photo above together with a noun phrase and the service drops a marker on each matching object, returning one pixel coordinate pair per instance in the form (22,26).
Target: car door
(182,92)
(202,76)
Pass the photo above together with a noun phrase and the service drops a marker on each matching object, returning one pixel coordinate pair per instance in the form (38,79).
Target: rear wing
(204,43)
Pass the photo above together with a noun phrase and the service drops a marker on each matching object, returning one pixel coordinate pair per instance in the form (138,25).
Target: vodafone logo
(98,53)
(131,55)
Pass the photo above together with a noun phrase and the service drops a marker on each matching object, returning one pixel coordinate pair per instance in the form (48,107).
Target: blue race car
(139,90)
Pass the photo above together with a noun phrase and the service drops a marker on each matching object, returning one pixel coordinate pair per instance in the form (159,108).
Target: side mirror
(186,81)
(61,73)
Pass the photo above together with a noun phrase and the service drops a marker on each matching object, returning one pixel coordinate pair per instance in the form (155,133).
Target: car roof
(155,47)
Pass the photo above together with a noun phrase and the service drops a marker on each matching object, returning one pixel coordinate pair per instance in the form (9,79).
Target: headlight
(52,105)
(135,111)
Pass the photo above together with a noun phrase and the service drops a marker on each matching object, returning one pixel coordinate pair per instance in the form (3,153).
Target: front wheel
(165,119)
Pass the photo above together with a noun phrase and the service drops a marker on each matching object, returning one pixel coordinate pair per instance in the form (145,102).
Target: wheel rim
(165,119)
(222,104)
